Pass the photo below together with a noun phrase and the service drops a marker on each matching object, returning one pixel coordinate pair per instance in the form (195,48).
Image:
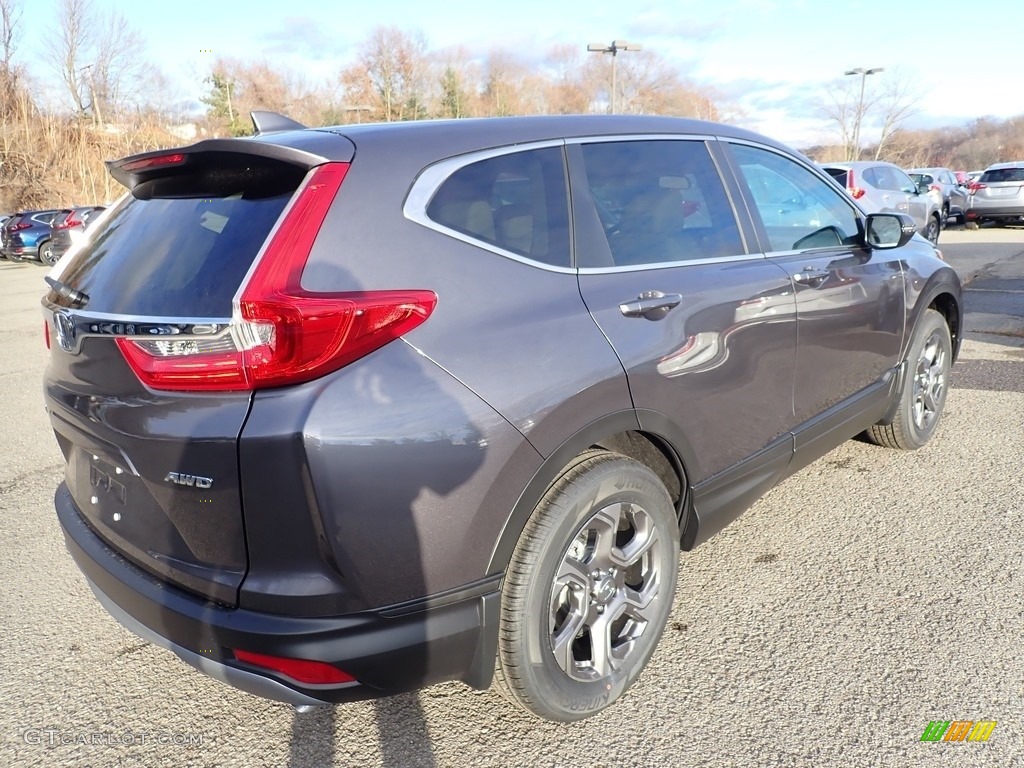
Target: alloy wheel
(604,592)
(929,382)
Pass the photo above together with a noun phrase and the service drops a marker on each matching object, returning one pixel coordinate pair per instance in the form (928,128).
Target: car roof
(470,134)
(1011,164)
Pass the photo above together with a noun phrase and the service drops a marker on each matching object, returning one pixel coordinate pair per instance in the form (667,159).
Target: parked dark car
(67,229)
(350,411)
(24,235)
(998,196)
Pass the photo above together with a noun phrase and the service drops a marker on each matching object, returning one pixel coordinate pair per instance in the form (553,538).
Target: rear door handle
(651,305)
(811,276)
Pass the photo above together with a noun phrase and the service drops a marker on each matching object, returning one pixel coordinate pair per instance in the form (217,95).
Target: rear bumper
(388,650)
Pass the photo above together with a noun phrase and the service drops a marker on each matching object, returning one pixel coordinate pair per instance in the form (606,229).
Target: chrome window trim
(433,176)
(672,264)
(614,138)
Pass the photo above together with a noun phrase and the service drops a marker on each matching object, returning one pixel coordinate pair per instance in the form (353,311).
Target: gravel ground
(865,596)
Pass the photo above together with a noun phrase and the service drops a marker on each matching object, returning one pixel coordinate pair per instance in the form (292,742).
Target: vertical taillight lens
(286,334)
(855,192)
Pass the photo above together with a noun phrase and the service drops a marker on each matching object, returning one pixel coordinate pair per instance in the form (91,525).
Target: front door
(849,298)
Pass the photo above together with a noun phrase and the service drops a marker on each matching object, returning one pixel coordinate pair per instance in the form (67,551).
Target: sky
(774,61)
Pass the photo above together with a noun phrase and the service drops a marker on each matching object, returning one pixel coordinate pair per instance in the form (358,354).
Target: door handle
(811,276)
(651,305)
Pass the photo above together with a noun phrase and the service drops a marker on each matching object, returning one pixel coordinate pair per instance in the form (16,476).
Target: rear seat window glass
(516,202)
(660,202)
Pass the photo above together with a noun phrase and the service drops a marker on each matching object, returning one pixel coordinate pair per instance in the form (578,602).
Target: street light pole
(860,104)
(613,49)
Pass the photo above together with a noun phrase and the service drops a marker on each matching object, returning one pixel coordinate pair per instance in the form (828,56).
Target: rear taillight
(68,222)
(935,188)
(46,333)
(974,186)
(301,670)
(19,226)
(286,334)
(855,192)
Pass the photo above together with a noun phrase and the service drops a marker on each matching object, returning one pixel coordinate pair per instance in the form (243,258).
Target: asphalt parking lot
(864,597)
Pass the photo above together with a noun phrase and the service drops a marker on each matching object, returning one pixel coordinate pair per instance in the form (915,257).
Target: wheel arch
(619,432)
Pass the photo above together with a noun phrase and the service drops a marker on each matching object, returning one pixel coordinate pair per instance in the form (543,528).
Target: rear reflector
(287,335)
(300,670)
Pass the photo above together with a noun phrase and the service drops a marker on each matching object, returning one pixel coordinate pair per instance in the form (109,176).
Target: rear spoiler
(278,139)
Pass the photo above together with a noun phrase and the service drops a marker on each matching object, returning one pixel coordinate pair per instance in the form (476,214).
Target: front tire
(931,232)
(925,385)
(589,588)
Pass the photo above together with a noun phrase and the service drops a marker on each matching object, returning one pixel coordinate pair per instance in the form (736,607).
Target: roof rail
(271,122)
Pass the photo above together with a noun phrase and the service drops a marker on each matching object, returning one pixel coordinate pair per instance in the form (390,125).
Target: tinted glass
(180,255)
(799,209)
(838,174)
(660,201)
(517,202)
(1002,174)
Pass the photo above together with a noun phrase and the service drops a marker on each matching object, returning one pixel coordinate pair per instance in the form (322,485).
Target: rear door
(155,473)
(705,330)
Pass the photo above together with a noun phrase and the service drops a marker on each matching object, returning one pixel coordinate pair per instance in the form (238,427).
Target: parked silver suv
(883,187)
(952,193)
(998,195)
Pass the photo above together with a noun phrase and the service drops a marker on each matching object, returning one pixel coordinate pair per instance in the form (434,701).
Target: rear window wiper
(76,297)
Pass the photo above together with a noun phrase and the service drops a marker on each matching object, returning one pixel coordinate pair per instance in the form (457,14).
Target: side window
(516,202)
(902,182)
(660,202)
(799,210)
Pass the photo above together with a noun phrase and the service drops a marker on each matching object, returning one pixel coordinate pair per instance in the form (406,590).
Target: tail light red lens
(855,192)
(69,221)
(300,670)
(974,187)
(935,188)
(287,335)
(19,226)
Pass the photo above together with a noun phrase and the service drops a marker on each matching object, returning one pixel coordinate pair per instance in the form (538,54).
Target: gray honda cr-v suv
(350,411)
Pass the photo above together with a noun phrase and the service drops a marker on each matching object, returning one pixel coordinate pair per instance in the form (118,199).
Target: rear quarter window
(516,202)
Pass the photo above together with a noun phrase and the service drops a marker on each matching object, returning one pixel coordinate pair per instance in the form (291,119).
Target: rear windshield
(838,174)
(183,250)
(1002,174)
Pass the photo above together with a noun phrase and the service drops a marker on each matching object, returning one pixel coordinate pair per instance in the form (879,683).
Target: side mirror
(889,230)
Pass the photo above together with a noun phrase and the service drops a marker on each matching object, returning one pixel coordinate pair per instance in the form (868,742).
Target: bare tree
(10,17)
(100,59)
(390,75)
(849,109)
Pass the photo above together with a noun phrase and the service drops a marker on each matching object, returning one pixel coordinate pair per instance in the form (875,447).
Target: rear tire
(46,254)
(588,590)
(925,385)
